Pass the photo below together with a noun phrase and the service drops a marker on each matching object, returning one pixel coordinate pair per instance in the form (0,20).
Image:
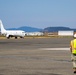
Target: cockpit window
(23,32)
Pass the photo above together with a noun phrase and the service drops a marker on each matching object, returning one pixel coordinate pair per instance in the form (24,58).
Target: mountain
(27,29)
(56,29)
(48,29)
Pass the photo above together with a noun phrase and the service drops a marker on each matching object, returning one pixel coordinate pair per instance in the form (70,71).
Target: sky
(38,13)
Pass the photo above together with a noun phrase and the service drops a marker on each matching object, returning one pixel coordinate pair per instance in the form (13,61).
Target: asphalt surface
(31,57)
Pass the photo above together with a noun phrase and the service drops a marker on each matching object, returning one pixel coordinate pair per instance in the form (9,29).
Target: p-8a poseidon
(11,33)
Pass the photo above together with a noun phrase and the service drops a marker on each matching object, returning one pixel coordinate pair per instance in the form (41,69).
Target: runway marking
(64,49)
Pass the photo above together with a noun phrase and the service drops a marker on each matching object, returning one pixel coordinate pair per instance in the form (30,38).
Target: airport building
(65,33)
(34,33)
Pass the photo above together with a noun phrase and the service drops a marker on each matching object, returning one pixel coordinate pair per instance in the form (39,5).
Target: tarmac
(36,56)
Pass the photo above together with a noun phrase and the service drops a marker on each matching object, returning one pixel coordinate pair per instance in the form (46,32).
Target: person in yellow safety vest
(73,52)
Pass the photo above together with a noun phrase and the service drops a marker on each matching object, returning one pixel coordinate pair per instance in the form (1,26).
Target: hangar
(65,33)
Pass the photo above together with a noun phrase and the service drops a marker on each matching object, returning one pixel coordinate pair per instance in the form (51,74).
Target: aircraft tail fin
(2,27)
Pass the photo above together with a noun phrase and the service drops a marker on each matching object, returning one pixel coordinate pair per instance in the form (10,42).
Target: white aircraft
(11,33)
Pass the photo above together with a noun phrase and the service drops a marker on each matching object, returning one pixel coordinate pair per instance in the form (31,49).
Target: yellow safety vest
(73,44)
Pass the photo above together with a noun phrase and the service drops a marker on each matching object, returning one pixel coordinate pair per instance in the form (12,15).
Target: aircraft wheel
(15,37)
(8,37)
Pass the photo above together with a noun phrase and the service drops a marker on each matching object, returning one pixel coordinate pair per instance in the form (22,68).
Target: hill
(27,29)
(48,29)
(56,29)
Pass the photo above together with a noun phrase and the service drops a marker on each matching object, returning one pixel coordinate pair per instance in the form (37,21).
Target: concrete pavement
(35,56)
